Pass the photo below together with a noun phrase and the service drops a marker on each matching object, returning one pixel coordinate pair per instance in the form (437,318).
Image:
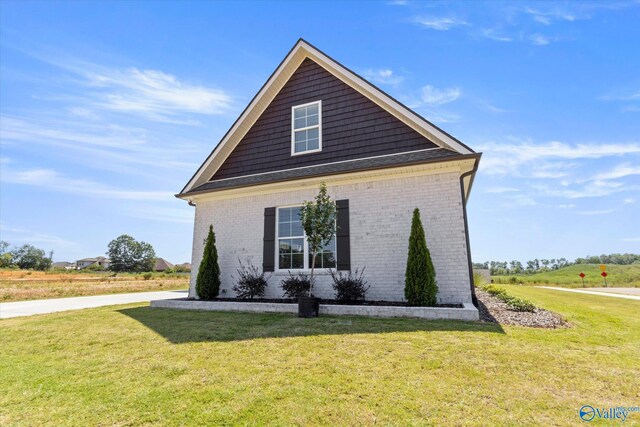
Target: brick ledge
(468,312)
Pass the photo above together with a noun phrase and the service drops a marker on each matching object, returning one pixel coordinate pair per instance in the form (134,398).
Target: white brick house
(316,121)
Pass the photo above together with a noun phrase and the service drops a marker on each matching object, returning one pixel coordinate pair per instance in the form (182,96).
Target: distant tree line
(125,253)
(502,268)
(620,259)
(24,257)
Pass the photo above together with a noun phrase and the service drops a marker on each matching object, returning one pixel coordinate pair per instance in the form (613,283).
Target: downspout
(192,289)
(474,299)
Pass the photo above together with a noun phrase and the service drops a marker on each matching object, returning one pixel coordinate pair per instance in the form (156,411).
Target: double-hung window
(306,125)
(293,250)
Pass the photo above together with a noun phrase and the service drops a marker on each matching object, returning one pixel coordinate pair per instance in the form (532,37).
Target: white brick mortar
(380,222)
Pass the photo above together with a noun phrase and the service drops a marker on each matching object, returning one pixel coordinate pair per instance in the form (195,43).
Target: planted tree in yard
(127,254)
(318,220)
(208,279)
(420,288)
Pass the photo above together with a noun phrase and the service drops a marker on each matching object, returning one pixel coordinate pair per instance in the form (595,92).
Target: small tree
(420,286)
(318,220)
(208,279)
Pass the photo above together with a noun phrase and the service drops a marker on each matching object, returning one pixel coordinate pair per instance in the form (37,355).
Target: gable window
(293,250)
(306,125)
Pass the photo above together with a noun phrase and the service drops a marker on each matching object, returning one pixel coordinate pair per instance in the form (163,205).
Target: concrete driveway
(29,308)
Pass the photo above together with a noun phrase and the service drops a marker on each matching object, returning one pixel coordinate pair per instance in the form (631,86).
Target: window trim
(293,128)
(305,249)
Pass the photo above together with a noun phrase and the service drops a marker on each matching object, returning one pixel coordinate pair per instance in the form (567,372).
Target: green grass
(133,365)
(627,276)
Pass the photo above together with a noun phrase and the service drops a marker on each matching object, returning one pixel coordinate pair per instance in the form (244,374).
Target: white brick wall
(380,222)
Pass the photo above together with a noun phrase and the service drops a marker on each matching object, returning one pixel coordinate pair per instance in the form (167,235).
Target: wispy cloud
(492,34)
(592,189)
(17,235)
(183,215)
(498,190)
(621,96)
(546,17)
(539,40)
(383,76)
(508,158)
(53,180)
(443,23)
(630,239)
(596,212)
(620,171)
(102,145)
(522,200)
(433,96)
(629,201)
(153,94)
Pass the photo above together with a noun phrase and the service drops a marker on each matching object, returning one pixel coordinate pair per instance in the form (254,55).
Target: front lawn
(133,365)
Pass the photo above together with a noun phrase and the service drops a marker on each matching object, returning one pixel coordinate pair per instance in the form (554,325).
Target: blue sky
(108,108)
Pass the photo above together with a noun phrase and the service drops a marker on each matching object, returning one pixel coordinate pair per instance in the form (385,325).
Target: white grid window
(293,251)
(306,125)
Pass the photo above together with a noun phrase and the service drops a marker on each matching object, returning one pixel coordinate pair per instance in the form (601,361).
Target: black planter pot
(308,306)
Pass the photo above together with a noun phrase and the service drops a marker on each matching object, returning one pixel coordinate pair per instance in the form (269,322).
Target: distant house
(97,261)
(63,265)
(162,265)
(185,266)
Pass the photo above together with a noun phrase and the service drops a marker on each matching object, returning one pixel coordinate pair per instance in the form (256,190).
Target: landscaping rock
(493,310)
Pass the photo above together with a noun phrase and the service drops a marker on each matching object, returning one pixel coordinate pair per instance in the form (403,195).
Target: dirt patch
(493,310)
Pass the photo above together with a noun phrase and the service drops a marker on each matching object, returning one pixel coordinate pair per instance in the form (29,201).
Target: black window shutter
(342,236)
(269,240)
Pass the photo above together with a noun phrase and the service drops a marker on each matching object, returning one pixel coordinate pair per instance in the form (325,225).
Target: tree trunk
(313,264)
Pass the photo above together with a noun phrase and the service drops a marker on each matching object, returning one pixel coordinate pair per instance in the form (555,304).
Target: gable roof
(162,264)
(279,78)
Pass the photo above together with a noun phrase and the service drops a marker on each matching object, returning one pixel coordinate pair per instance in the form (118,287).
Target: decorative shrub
(349,287)
(515,304)
(420,288)
(296,286)
(208,279)
(251,282)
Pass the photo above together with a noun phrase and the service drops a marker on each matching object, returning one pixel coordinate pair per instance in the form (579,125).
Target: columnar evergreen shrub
(208,279)
(420,287)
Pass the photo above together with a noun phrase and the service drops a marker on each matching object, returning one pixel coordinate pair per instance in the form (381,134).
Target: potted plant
(318,220)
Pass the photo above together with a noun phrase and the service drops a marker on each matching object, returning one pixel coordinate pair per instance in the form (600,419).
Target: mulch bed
(326,301)
(493,310)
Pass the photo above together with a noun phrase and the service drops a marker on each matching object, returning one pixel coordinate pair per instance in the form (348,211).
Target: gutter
(196,192)
(472,172)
